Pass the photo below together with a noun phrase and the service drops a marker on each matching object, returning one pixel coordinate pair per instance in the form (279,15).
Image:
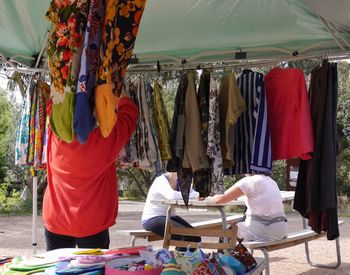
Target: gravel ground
(16,236)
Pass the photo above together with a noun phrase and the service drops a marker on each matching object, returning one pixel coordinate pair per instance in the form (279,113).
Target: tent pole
(35,211)
(325,23)
(35,175)
(338,34)
(41,50)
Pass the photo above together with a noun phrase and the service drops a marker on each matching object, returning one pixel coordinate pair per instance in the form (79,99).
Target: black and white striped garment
(252,152)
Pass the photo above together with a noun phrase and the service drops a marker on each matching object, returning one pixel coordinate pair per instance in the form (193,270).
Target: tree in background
(7,132)
(343,122)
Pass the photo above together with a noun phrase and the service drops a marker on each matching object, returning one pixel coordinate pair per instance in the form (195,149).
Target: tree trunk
(139,185)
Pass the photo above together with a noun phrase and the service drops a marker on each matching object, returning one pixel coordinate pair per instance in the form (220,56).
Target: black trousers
(56,241)
(157,226)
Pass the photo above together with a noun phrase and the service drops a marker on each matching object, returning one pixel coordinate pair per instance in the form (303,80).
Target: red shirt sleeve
(127,115)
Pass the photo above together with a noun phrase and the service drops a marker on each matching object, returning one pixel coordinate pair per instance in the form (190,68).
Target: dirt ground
(16,239)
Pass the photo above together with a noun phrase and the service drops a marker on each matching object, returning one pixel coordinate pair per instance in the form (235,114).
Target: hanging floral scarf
(69,18)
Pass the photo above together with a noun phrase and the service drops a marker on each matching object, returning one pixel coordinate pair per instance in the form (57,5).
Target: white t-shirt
(263,197)
(160,190)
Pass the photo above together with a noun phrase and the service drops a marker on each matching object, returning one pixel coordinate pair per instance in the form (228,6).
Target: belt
(268,221)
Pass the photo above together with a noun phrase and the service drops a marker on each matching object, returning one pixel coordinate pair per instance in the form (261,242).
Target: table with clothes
(135,260)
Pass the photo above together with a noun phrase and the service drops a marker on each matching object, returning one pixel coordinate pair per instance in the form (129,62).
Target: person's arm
(167,191)
(193,194)
(126,122)
(232,193)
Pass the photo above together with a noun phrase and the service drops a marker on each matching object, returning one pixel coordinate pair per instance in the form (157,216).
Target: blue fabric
(84,120)
(252,153)
(22,139)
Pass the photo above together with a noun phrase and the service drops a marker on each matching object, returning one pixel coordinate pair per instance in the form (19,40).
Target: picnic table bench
(303,236)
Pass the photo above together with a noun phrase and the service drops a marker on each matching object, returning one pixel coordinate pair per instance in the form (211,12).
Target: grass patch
(16,208)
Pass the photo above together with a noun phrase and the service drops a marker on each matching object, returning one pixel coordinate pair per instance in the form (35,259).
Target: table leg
(224,222)
(166,228)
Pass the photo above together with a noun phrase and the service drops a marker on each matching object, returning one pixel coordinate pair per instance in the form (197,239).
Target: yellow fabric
(106,103)
(231,105)
(162,122)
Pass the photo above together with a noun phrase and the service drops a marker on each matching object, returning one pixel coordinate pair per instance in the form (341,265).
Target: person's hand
(216,198)
(124,93)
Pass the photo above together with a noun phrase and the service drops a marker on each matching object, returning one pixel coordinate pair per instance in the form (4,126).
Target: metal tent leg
(331,266)
(307,252)
(132,243)
(35,213)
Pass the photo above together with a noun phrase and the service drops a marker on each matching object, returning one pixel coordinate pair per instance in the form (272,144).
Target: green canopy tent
(192,32)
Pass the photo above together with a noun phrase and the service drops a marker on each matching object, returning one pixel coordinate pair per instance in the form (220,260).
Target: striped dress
(252,152)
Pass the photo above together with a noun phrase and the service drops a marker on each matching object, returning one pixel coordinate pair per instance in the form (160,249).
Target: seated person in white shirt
(153,218)
(265,217)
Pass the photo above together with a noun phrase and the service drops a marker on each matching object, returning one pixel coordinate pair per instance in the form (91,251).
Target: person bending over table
(153,218)
(81,198)
(265,218)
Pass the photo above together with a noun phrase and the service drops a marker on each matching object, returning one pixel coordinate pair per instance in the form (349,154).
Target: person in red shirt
(81,198)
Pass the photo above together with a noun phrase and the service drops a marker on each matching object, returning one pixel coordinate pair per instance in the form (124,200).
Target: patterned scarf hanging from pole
(65,45)
(121,25)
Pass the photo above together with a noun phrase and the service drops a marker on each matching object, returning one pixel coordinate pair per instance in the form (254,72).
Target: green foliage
(343,121)
(7,132)
(10,201)
(135,182)
(279,173)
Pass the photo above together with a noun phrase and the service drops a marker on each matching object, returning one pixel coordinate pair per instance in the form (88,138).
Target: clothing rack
(231,64)
(191,63)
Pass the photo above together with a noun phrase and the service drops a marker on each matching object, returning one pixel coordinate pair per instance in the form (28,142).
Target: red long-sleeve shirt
(81,198)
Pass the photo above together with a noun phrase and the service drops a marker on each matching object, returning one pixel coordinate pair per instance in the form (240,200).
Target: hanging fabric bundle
(43,95)
(231,106)
(213,148)
(84,120)
(22,139)
(189,157)
(89,49)
(316,193)
(162,122)
(288,105)
(252,136)
(121,25)
(150,144)
(177,129)
(142,150)
(204,186)
(64,51)
(30,141)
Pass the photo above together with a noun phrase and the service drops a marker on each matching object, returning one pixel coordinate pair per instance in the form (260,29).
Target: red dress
(288,114)
(81,198)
